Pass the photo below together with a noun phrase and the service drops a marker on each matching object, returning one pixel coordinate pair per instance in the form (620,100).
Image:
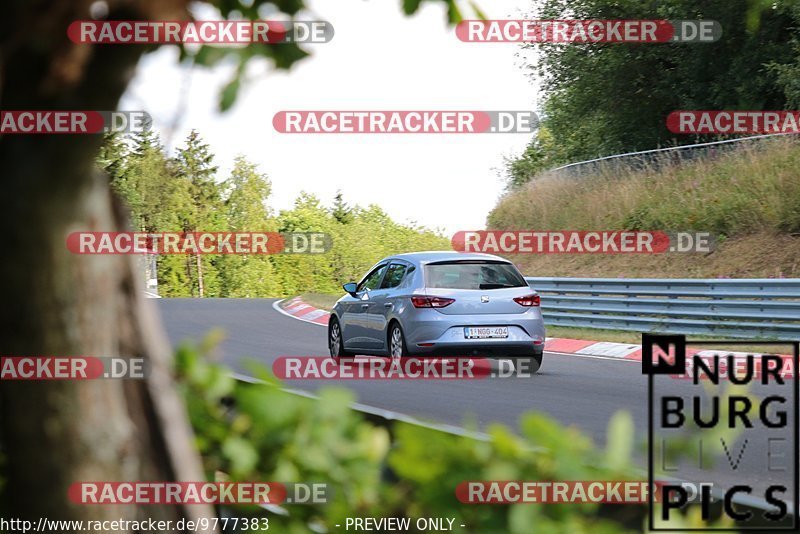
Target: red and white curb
(605,349)
(633,352)
(298,309)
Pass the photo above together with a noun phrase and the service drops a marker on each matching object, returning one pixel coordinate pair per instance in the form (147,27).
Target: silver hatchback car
(440,304)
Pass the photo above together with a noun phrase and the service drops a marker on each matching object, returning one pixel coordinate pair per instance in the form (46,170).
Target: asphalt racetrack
(580,391)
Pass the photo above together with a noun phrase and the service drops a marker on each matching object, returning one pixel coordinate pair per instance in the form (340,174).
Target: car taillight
(527,300)
(431,302)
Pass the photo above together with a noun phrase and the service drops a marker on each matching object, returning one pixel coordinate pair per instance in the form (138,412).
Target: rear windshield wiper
(495,286)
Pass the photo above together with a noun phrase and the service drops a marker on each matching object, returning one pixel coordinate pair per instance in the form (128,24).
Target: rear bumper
(495,349)
(429,332)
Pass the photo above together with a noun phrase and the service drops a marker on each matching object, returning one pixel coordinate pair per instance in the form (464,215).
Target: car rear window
(473,275)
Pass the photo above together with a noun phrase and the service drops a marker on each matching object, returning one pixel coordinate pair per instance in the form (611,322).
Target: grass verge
(750,199)
(323,301)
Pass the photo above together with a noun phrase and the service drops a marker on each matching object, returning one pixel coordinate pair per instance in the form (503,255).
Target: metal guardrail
(655,158)
(746,308)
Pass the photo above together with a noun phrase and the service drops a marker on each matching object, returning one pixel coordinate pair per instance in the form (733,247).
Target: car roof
(444,255)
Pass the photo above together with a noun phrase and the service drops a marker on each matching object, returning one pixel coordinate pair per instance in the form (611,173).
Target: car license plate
(485,332)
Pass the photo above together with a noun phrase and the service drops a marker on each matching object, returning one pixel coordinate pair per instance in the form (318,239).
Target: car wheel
(397,342)
(528,364)
(335,340)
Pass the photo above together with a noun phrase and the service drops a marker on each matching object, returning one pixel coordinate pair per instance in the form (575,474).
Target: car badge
(484,298)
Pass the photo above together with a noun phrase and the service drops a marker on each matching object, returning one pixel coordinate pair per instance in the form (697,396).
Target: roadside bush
(267,434)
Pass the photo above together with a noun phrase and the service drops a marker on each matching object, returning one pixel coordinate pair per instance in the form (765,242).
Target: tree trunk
(199,274)
(55,433)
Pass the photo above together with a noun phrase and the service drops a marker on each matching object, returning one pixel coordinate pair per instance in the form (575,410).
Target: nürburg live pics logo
(729,430)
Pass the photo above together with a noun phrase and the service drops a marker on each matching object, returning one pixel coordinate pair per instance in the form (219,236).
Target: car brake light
(528,300)
(431,302)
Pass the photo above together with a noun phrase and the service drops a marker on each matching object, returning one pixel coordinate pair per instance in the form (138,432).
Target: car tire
(335,340)
(528,364)
(397,342)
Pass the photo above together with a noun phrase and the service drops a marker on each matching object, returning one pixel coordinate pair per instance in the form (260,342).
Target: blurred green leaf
(453,12)
(208,56)
(229,93)
(241,454)
(478,11)
(410,6)
(620,440)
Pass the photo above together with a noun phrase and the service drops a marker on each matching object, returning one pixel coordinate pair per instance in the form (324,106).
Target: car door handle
(364,306)
(387,304)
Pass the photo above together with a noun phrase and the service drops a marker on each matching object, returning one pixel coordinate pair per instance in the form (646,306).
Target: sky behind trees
(378,59)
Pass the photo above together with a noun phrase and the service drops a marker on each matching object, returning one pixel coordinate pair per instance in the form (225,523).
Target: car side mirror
(350,288)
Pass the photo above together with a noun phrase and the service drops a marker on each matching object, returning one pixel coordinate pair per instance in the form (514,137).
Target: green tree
(601,99)
(306,272)
(341,211)
(788,74)
(247,210)
(373,235)
(142,176)
(112,156)
(155,197)
(194,164)
(540,154)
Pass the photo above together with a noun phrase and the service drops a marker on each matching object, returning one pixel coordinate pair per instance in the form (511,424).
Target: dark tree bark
(55,303)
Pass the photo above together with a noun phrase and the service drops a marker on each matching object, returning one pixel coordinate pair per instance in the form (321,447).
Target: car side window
(394,275)
(372,280)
